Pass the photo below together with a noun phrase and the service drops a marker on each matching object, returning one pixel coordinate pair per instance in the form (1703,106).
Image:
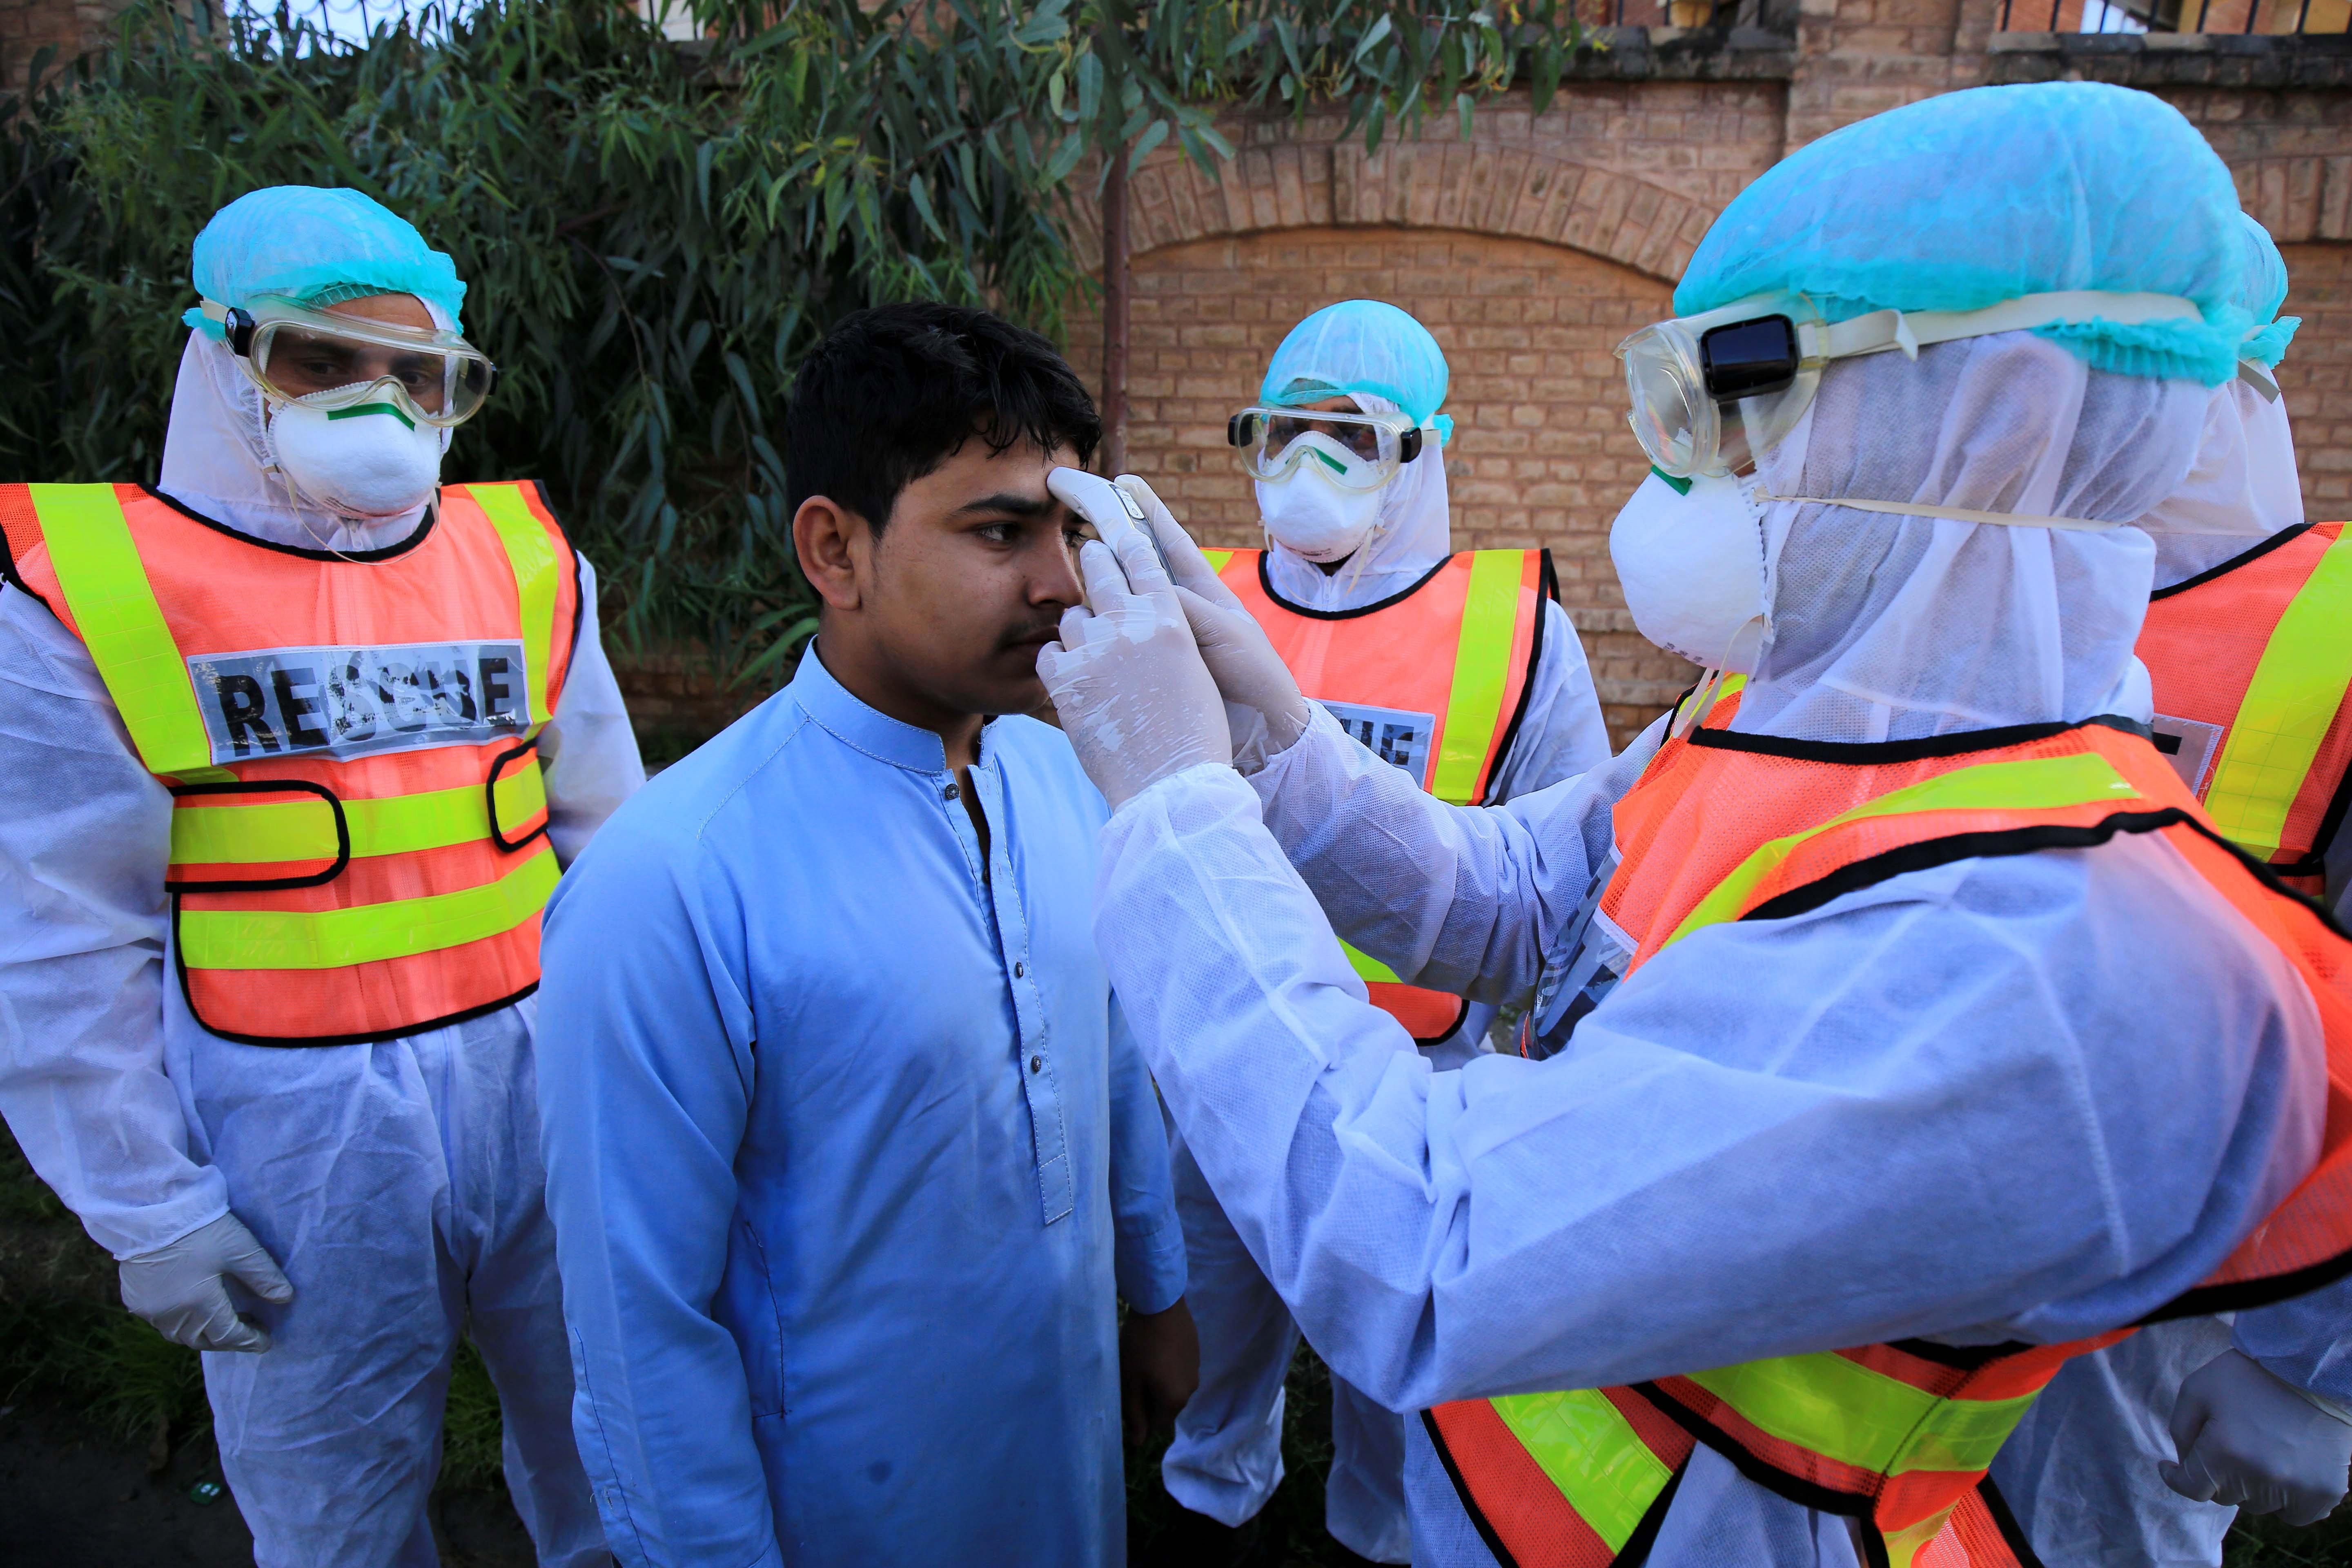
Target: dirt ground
(69,1499)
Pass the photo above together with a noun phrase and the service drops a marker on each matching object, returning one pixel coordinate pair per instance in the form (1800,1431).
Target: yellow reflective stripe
(2298,685)
(1830,1405)
(1592,1455)
(1904,1545)
(531,553)
(1490,614)
(1217,559)
(304,829)
(1368,968)
(337,939)
(2037,783)
(115,610)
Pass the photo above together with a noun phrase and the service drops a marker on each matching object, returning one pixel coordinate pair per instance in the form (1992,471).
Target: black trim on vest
(1266,586)
(2283,536)
(1460,1012)
(490,797)
(2203,1300)
(2197,1301)
(1871,754)
(1479,1521)
(1959,1358)
(271,884)
(1547,588)
(358,557)
(1933,852)
(1636,1550)
(2331,823)
(1807,1494)
(2012,1534)
(303,1042)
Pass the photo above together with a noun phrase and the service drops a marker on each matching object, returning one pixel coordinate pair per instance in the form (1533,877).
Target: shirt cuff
(1150,1268)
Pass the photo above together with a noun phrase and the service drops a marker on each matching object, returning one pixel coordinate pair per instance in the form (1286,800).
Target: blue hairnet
(1362,345)
(317,246)
(2263,292)
(1961,201)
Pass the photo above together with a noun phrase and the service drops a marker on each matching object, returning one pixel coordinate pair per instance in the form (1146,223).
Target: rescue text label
(351,701)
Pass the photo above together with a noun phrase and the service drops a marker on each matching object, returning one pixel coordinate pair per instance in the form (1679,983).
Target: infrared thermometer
(1111,510)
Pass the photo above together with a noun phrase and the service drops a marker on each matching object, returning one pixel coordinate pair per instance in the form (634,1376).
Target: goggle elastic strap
(1910,330)
(1957,514)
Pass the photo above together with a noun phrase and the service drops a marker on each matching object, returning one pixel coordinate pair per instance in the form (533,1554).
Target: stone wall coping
(1686,53)
(2173,59)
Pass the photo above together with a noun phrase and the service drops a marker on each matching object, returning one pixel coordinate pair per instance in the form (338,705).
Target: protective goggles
(1711,393)
(323,360)
(1354,451)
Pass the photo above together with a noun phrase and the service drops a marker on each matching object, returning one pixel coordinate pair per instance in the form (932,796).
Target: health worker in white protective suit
(1476,694)
(1892,1043)
(2143,1452)
(291,746)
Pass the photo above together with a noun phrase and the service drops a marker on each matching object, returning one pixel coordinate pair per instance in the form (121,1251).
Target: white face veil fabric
(1415,532)
(215,461)
(2243,489)
(1887,627)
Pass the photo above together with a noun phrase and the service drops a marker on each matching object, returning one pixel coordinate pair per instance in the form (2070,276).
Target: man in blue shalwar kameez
(850,1155)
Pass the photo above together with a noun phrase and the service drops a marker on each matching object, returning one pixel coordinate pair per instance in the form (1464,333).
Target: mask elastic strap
(1698,705)
(1957,514)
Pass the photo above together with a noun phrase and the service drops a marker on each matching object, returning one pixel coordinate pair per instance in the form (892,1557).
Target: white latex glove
(1135,699)
(183,1288)
(2247,1439)
(1231,643)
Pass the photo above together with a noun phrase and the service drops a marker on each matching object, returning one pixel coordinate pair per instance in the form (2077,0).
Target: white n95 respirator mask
(1692,565)
(370,460)
(1318,519)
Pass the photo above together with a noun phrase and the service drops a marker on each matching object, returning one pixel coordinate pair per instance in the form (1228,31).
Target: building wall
(1532,249)
(1540,454)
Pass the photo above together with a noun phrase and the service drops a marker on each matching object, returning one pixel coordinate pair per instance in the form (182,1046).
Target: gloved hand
(2246,1437)
(183,1288)
(1135,699)
(1231,643)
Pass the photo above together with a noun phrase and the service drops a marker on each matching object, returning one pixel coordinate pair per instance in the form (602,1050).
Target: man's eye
(996,532)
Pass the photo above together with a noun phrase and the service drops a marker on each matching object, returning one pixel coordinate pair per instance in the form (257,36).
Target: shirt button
(1020,970)
(1036,1063)
(949,793)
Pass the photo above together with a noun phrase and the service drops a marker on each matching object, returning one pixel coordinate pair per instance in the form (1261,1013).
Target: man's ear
(835,549)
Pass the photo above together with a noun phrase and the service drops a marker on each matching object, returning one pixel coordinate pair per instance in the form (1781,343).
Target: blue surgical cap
(316,245)
(1964,200)
(2263,292)
(1362,345)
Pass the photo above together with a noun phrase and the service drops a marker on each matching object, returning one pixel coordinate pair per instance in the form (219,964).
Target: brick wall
(1531,248)
(1540,454)
(2316,376)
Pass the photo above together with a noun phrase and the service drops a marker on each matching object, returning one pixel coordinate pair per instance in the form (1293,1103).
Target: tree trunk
(1115,313)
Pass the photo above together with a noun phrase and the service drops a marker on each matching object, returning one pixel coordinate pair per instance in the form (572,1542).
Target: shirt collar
(853,723)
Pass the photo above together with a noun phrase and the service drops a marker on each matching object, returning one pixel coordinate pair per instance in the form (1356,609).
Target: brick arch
(1482,188)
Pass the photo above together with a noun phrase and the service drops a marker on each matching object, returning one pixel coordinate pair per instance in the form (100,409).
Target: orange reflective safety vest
(359,825)
(2251,664)
(1433,679)
(1724,827)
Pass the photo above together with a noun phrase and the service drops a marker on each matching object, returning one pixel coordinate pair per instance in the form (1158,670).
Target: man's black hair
(894,391)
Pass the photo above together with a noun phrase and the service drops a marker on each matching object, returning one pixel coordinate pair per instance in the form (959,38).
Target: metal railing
(2268,18)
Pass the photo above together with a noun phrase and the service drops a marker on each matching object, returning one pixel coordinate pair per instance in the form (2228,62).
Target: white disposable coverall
(2025,1098)
(397,1183)
(1226,1458)
(2080,1469)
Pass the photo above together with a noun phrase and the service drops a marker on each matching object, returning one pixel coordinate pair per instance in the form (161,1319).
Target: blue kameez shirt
(849,1151)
